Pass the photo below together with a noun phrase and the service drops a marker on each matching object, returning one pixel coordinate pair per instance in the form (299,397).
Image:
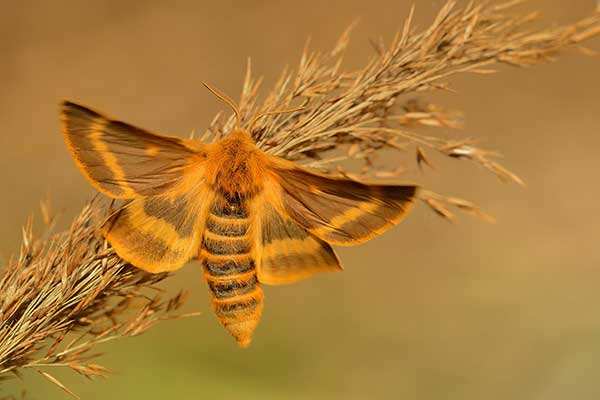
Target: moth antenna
(193,134)
(227,100)
(259,116)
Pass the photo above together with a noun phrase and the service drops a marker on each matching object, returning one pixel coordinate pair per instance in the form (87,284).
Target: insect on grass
(250,217)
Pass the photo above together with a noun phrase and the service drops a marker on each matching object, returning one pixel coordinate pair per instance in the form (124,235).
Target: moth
(251,218)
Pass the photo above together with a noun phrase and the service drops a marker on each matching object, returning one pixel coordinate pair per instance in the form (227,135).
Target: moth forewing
(122,160)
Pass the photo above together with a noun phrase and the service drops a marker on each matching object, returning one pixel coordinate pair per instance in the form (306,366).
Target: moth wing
(158,233)
(123,161)
(340,211)
(289,252)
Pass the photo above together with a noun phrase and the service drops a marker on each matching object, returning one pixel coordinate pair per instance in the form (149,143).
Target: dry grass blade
(354,114)
(441,205)
(67,293)
(58,383)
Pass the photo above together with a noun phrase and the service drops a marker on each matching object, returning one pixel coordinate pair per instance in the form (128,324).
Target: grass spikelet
(68,293)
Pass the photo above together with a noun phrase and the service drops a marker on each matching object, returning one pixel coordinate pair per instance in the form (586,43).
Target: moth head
(239,135)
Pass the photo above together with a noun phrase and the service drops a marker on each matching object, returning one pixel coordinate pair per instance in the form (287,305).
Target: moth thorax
(236,181)
(238,162)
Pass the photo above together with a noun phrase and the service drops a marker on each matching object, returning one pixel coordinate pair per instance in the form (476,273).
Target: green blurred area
(430,310)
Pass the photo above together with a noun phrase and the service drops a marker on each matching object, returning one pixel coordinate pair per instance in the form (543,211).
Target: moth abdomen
(216,267)
(227,226)
(232,312)
(240,316)
(230,288)
(229,267)
(237,297)
(226,245)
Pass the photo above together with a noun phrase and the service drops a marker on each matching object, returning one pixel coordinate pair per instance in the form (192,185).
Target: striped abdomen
(229,269)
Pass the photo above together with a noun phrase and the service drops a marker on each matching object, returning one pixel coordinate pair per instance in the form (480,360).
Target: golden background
(430,310)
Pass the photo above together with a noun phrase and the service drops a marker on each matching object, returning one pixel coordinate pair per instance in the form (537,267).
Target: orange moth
(251,218)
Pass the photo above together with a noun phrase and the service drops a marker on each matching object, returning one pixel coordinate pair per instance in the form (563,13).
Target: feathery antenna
(227,100)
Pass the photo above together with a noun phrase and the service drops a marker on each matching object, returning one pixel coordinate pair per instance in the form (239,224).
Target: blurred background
(430,310)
